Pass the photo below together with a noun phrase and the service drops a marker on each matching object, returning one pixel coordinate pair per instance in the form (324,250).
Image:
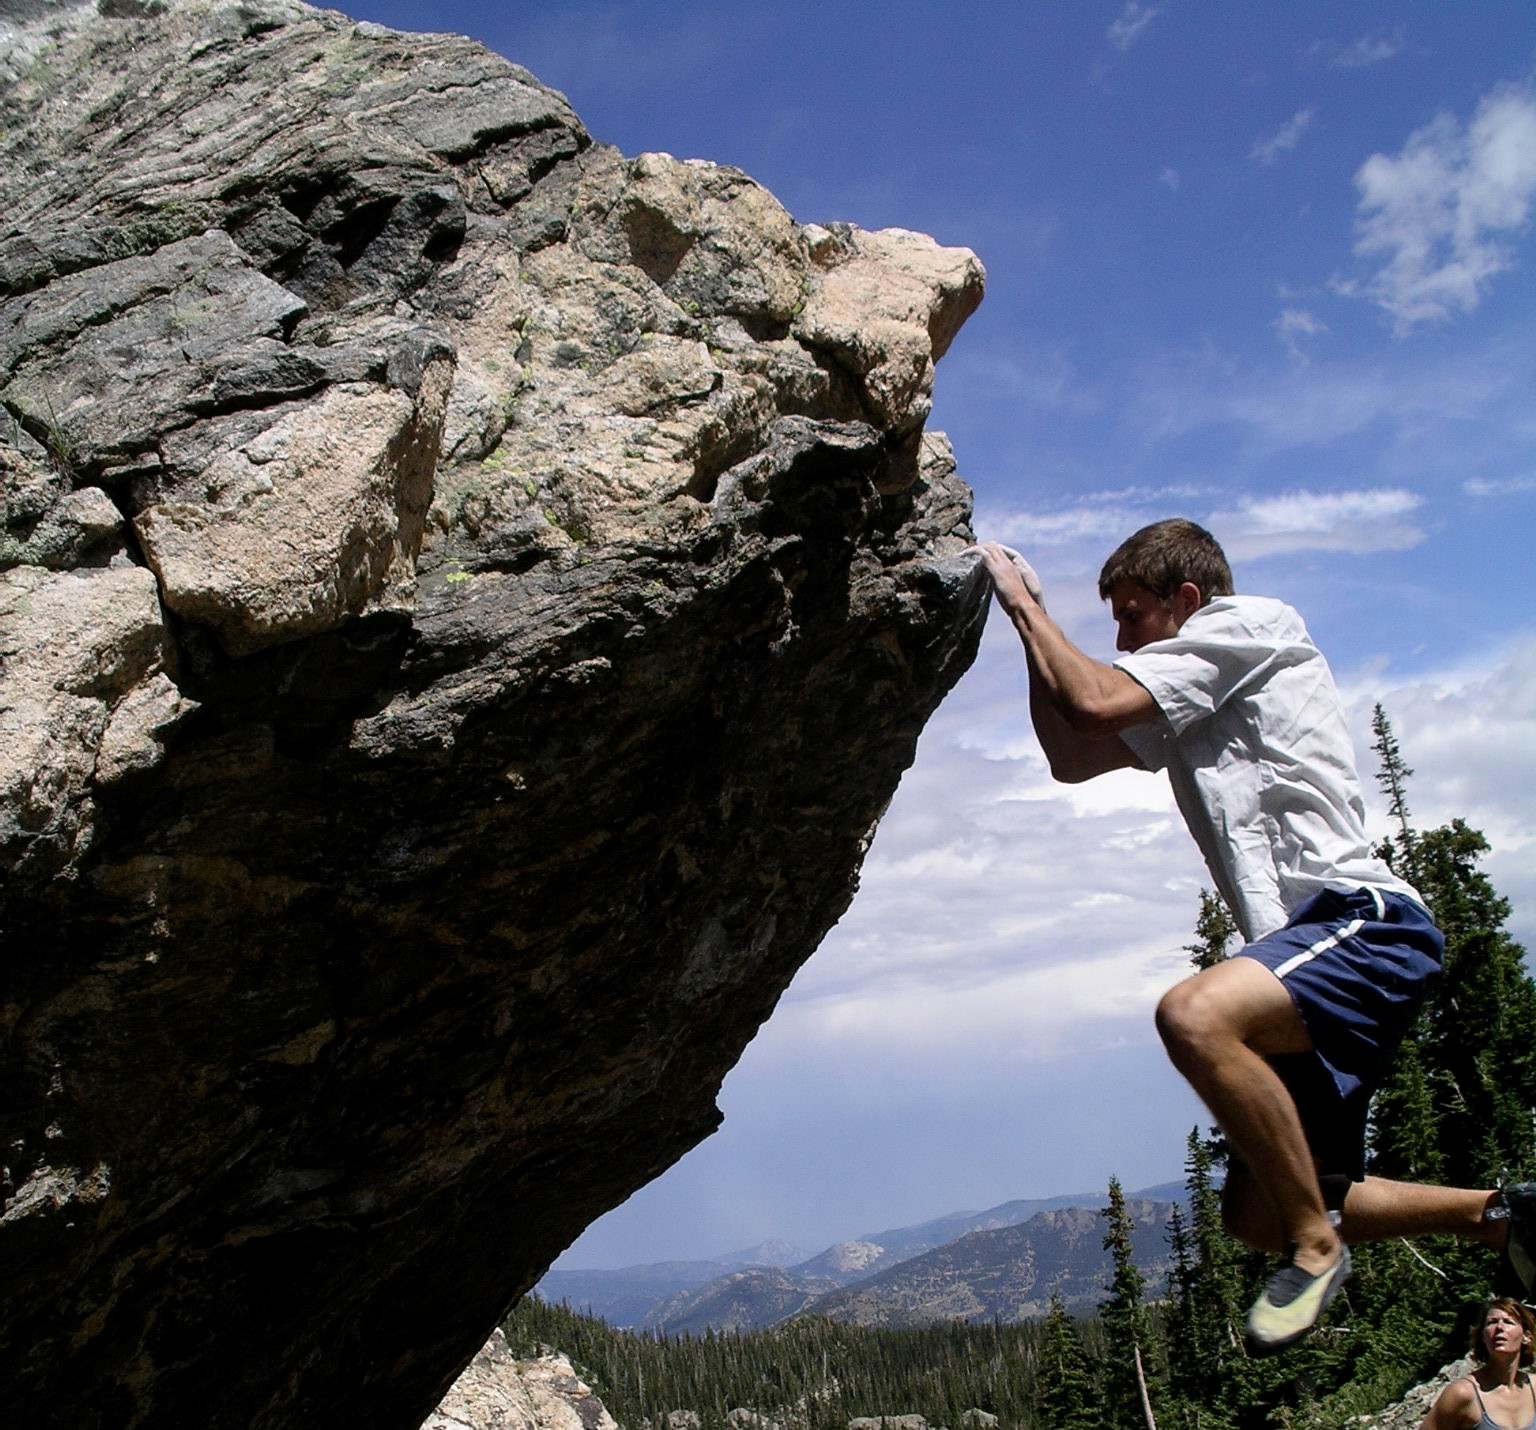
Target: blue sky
(1270,266)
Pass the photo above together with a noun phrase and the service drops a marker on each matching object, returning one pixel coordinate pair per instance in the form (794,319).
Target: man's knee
(1190,1020)
(1239,1001)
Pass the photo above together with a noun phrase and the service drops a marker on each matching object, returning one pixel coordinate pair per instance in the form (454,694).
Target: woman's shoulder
(1460,1396)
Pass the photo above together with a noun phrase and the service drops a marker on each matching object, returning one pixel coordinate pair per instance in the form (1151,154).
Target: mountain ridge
(683,1296)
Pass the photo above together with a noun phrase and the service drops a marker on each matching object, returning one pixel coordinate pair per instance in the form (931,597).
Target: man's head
(1159,577)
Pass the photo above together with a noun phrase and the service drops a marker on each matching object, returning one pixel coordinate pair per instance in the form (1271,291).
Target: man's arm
(1078,705)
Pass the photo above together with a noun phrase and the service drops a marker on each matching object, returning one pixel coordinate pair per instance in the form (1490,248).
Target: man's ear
(1187,600)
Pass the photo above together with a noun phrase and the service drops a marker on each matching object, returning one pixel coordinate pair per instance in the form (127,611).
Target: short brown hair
(1163,556)
(1515,1309)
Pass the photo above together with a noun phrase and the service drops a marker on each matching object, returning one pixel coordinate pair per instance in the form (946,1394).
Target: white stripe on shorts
(1321,946)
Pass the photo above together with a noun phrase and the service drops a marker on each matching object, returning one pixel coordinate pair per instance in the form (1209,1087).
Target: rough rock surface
(466,597)
(1409,1413)
(497,1391)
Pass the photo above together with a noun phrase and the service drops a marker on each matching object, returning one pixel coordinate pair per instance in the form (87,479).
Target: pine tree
(1128,1370)
(1457,1104)
(1214,930)
(1393,778)
(1219,1279)
(1204,1293)
(1482,1021)
(1462,1093)
(1064,1398)
(1405,1122)
(1181,1322)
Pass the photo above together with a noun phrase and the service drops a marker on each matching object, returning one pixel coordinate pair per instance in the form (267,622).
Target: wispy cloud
(1363,520)
(1359,54)
(1485,487)
(1374,519)
(1441,214)
(1063,528)
(1132,22)
(1043,378)
(1409,405)
(1094,517)
(1270,147)
(1295,326)
(1169,179)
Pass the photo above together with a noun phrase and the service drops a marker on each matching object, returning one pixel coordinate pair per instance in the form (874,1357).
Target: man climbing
(1285,1042)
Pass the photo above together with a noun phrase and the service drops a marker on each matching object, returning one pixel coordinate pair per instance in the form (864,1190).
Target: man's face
(1140,617)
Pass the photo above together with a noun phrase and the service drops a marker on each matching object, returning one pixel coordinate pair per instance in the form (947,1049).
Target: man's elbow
(1071,771)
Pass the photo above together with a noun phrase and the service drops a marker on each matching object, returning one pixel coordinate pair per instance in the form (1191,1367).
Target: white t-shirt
(1254,739)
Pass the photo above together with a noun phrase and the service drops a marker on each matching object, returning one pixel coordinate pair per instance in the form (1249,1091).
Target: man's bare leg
(1219,1027)
(1374,1210)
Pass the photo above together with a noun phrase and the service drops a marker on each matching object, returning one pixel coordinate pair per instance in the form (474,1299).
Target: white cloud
(1119,792)
(995,901)
(1361,53)
(1037,1006)
(1132,21)
(1468,732)
(1356,521)
(1294,326)
(1062,528)
(1094,517)
(1498,486)
(1304,511)
(1271,146)
(1441,214)
(1169,179)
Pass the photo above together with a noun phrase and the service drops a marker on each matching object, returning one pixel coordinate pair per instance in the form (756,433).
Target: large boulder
(466,598)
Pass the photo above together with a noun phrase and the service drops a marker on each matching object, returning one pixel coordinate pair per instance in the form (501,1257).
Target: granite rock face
(497,1391)
(466,597)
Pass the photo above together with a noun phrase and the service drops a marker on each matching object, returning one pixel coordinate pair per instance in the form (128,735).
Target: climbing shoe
(1291,1304)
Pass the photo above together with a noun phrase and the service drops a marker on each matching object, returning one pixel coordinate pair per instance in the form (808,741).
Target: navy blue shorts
(1358,964)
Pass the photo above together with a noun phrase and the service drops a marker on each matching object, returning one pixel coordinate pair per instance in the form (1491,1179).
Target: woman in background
(1498,1395)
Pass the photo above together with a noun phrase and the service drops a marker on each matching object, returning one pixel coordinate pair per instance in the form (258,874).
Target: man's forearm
(1090,697)
(1076,704)
(1073,755)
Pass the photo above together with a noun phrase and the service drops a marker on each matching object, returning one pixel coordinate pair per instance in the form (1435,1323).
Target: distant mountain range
(1002,1263)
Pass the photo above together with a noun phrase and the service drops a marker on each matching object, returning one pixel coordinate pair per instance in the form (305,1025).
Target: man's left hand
(1011,574)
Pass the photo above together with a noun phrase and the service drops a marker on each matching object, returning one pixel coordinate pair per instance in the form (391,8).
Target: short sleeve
(1218,651)
(1149,743)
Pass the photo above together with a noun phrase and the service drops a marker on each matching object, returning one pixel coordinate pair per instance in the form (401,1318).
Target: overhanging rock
(465,599)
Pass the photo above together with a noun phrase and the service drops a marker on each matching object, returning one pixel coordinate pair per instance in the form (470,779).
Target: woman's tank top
(1489,1423)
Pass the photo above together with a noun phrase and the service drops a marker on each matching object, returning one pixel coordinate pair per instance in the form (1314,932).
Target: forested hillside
(813,1373)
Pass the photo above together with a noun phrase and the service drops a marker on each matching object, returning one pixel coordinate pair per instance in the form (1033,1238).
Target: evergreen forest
(1457,1108)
